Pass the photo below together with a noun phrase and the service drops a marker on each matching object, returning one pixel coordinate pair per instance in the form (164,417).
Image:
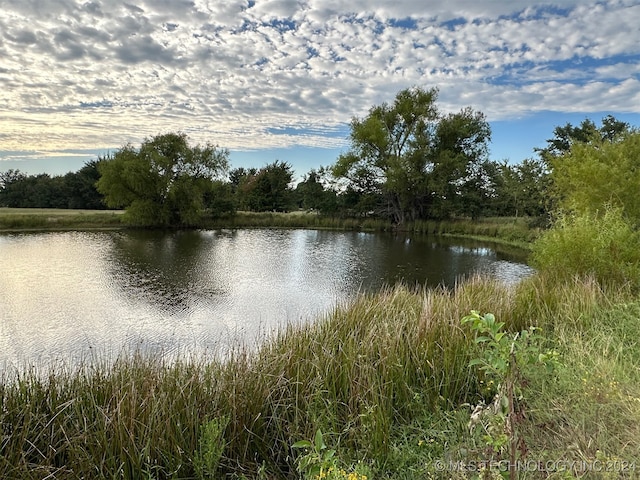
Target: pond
(81,296)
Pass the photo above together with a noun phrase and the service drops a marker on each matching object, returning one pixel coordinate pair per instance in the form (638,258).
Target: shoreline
(507,231)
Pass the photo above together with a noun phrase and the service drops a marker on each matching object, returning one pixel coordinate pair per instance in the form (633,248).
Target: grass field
(35,219)
(55,212)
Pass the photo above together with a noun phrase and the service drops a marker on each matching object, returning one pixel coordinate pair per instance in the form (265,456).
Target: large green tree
(165,182)
(312,193)
(81,187)
(419,160)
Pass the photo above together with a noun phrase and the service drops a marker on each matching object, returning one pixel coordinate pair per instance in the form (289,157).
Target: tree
(219,200)
(81,187)
(460,147)
(310,191)
(314,194)
(521,188)
(593,175)
(568,135)
(164,182)
(238,178)
(12,183)
(412,155)
(269,189)
(32,191)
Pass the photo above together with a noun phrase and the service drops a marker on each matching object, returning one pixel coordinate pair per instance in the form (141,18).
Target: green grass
(21,219)
(517,232)
(587,414)
(506,231)
(385,378)
(296,219)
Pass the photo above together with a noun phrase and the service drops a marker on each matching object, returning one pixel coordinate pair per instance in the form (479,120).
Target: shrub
(604,246)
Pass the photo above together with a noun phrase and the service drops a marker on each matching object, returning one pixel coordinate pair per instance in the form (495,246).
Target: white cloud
(100,73)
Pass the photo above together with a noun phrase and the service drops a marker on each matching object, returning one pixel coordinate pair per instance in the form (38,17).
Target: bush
(604,246)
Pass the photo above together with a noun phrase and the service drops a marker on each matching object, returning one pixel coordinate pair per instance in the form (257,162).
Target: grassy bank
(511,231)
(39,219)
(386,379)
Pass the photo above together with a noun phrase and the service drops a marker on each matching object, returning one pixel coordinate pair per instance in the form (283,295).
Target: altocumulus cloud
(256,74)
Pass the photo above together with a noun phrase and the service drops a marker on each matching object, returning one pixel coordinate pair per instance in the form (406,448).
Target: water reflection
(67,295)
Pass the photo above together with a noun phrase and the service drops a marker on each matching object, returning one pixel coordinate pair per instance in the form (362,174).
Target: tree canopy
(73,190)
(418,159)
(587,132)
(592,175)
(265,190)
(165,182)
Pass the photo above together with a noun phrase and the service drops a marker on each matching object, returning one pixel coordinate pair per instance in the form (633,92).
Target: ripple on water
(68,295)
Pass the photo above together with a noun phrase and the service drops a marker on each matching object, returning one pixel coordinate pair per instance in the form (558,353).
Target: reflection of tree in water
(164,269)
(179,271)
(432,261)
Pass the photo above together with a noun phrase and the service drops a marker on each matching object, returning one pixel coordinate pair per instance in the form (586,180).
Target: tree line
(73,190)
(407,161)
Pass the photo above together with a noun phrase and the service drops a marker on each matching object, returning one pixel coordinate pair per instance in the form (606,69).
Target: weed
(505,358)
(211,446)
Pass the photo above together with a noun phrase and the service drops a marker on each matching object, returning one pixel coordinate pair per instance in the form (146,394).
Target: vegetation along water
(540,379)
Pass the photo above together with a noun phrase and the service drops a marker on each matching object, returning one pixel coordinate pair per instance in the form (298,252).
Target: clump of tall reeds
(605,245)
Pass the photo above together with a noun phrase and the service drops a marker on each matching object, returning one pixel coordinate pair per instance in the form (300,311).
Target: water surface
(74,296)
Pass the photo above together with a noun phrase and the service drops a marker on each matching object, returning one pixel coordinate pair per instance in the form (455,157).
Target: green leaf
(302,444)
(319,441)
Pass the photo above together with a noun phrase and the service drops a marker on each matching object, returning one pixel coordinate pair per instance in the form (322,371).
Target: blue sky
(281,79)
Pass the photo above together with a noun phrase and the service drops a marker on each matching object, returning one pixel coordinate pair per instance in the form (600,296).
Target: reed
(378,376)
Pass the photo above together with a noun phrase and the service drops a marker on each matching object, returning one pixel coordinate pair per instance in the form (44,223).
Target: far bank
(513,231)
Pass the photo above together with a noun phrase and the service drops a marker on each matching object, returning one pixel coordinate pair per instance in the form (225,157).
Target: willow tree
(163,183)
(412,155)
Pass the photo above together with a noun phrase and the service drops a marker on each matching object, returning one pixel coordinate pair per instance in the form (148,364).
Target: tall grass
(516,231)
(362,374)
(591,409)
(296,220)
